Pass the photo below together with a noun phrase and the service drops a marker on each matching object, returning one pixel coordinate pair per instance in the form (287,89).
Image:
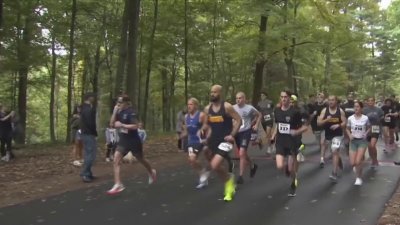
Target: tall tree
(122,54)
(53,75)
(149,62)
(132,76)
(70,67)
(186,43)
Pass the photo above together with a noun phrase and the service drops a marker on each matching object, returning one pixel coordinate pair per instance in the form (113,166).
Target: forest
(161,52)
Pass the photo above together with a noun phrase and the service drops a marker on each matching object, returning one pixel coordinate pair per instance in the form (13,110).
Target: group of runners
(222,128)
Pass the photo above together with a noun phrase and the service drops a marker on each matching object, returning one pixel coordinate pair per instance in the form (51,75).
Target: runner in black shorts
(389,123)
(125,119)
(375,115)
(288,126)
(224,122)
(266,108)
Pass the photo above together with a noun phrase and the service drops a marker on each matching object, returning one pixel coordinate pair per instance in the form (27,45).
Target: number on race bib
(267,118)
(336,143)
(375,129)
(284,128)
(387,119)
(225,146)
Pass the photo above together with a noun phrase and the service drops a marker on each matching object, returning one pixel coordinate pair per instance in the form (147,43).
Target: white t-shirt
(358,126)
(247,113)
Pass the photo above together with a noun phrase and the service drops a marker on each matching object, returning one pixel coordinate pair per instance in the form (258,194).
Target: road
(173,200)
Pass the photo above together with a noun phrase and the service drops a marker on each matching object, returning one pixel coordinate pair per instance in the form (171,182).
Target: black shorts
(135,146)
(287,147)
(391,125)
(267,124)
(370,136)
(243,138)
(213,146)
(197,148)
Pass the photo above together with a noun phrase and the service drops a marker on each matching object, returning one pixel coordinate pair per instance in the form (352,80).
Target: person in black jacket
(88,135)
(6,133)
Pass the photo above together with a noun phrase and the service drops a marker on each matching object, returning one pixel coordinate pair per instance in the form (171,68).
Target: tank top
(335,119)
(220,123)
(193,126)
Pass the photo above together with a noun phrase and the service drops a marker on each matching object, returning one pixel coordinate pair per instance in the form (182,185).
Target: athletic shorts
(195,148)
(370,136)
(269,124)
(329,143)
(356,144)
(391,125)
(287,147)
(243,138)
(319,134)
(213,146)
(135,146)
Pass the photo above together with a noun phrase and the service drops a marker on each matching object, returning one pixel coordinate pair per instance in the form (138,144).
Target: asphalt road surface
(173,200)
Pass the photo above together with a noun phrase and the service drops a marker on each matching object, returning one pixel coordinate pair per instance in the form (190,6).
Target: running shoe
(202,184)
(153,176)
(358,182)
(397,136)
(116,189)
(229,189)
(322,164)
(293,187)
(333,177)
(300,157)
(253,170)
(302,148)
(204,176)
(76,163)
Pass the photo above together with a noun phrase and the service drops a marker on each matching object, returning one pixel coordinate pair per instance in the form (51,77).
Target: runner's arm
(205,126)
(113,116)
(235,116)
(348,129)
(343,118)
(133,123)
(257,119)
(320,120)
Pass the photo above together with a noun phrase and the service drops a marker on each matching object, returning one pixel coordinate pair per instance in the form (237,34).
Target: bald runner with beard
(224,123)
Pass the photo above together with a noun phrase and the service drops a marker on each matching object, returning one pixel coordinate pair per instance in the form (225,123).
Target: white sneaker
(117,188)
(5,158)
(358,182)
(202,184)
(108,159)
(153,176)
(204,176)
(300,157)
(76,163)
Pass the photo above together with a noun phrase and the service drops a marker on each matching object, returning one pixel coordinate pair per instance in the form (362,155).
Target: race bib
(123,130)
(191,151)
(375,129)
(225,146)
(254,136)
(388,119)
(242,126)
(284,128)
(267,118)
(336,143)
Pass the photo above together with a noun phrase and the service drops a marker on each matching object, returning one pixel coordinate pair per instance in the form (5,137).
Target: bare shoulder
(228,106)
(206,109)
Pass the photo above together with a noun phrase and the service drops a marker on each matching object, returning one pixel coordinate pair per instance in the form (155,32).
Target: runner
(224,122)
(358,127)
(389,124)
(125,119)
(305,118)
(250,120)
(193,128)
(266,107)
(348,108)
(374,115)
(315,111)
(288,127)
(333,120)
(396,105)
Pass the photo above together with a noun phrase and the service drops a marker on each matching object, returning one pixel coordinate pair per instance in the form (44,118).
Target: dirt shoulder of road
(42,171)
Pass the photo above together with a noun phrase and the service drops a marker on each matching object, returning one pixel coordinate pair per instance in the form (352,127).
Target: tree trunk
(96,69)
(23,58)
(119,76)
(260,63)
(149,62)
(164,96)
(70,68)
(327,72)
(1,21)
(52,89)
(132,78)
(186,43)
(85,73)
(172,112)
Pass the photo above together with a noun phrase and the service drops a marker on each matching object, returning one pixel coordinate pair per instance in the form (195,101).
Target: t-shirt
(348,108)
(5,126)
(127,136)
(358,126)
(374,114)
(266,107)
(247,113)
(386,110)
(316,108)
(286,121)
